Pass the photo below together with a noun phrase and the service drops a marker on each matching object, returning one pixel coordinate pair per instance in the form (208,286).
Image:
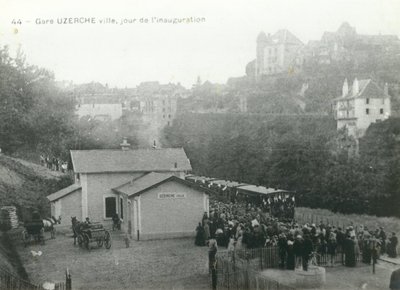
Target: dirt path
(163,264)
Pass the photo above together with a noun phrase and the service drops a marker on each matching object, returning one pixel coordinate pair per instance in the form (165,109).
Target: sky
(123,55)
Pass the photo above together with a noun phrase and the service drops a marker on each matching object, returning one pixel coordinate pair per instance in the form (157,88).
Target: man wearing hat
(382,237)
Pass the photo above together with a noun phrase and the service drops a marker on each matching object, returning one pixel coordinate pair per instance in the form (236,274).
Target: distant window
(381,111)
(367,101)
(169,116)
(367,111)
(163,116)
(111,206)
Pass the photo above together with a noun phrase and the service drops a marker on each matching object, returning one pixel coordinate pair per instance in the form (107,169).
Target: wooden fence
(10,281)
(238,274)
(268,258)
(240,269)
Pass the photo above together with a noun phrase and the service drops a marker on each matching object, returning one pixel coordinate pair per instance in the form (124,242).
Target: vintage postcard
(186,144)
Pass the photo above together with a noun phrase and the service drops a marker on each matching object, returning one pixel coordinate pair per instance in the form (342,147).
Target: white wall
(93,110)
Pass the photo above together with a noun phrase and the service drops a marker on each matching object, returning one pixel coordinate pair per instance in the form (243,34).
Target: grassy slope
(26,185)
(391,224)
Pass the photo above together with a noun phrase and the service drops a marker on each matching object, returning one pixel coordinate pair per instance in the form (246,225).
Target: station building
(145,187)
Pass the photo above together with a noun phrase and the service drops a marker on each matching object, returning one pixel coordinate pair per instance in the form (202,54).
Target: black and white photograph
(186,144)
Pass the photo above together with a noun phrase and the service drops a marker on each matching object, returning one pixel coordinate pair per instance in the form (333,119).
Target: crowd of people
(239,226)
(53,163)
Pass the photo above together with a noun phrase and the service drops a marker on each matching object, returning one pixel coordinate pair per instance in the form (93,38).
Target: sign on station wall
(169,195)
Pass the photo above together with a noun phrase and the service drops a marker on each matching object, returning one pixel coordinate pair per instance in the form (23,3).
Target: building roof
(150,180)
(285,36)
(63,192)
(262,37)
(367,89)
(261,189)
(140,160)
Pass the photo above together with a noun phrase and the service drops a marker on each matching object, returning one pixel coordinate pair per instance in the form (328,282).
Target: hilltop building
(158,103)
(276,53)
(345,44)
(360,105)
(145,187)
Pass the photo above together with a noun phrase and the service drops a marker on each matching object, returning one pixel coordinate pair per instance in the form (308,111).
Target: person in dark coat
(298,250)
(212,262)
(290,257)
(349,251)
(382,237)
(282,246)
(331,245)
(307,250)
(366,249)
(392,246)
(200,236)
(340,238)
(395,280)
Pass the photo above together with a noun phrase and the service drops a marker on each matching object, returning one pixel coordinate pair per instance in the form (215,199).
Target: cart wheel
(80,240)
(107,239)
(100,243)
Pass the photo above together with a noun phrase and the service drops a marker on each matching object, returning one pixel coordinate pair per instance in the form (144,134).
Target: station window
(367,111)
(381,111)
(110,206)
(367,101)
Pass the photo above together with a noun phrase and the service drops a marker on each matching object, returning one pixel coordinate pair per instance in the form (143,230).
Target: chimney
(125,145)
(345,89)
(356,88)
(386,89)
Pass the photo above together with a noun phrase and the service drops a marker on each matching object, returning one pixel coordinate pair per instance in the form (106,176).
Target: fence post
(68,281)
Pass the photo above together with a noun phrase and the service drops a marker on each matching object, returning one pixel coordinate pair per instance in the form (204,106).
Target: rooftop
(150,180)
(261,189)
(367,89)
(63,192)
(140,160)
(140,184)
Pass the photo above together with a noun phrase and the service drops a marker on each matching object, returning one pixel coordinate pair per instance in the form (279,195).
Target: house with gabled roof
(145,187)
(360,105)
(278,53)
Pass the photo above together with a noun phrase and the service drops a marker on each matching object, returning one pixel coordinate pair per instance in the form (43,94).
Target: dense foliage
(299,153)
(34,112)
(38,116)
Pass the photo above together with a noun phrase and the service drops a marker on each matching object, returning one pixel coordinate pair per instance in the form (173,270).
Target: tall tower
(262,41)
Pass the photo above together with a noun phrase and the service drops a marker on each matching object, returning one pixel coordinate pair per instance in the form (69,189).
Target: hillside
(26,185)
